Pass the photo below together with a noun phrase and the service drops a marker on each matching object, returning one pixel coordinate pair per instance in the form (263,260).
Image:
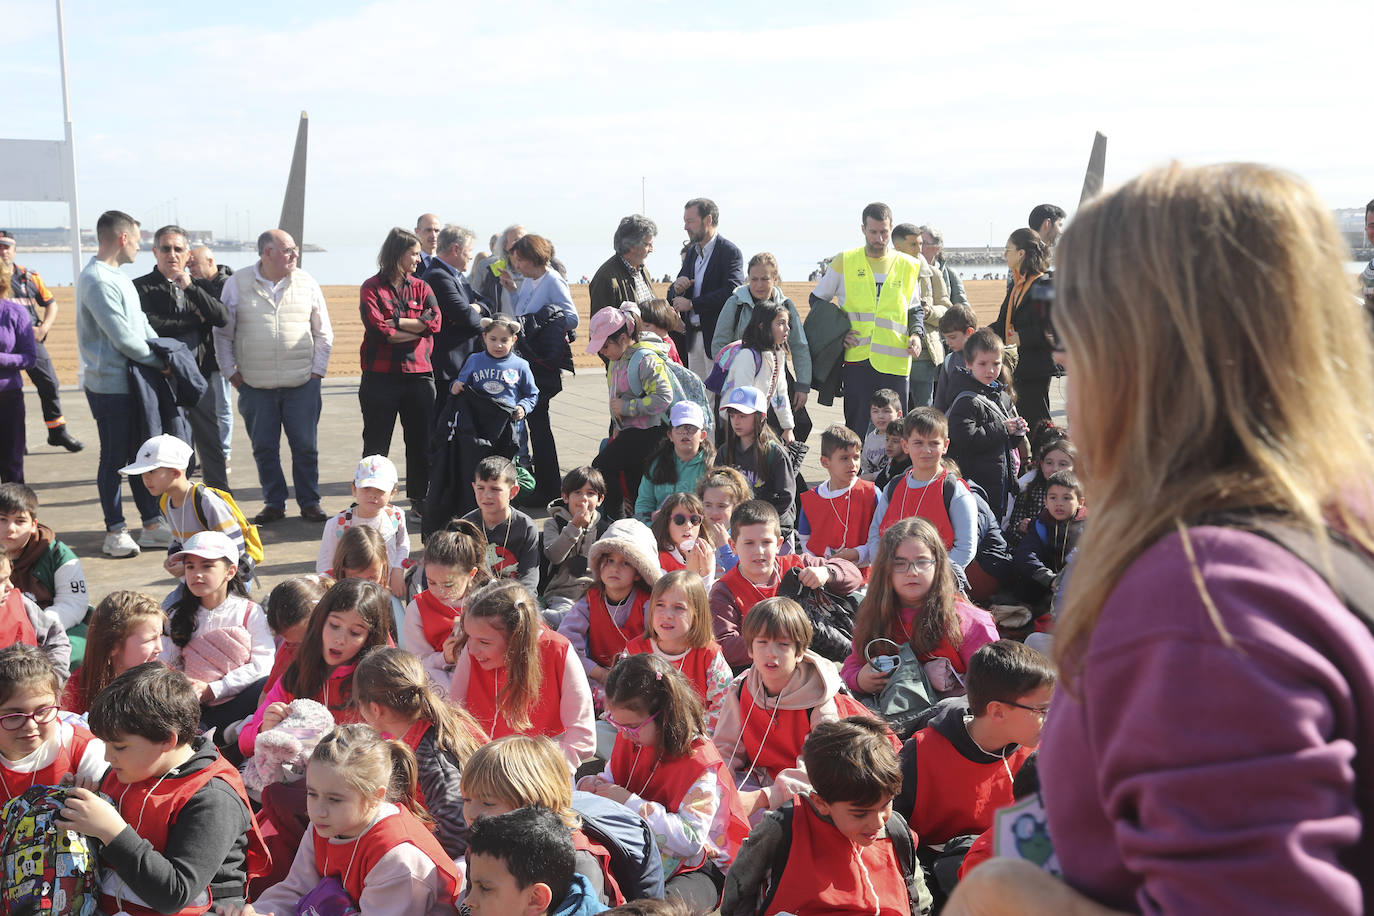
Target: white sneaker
(160,535)
(118,544)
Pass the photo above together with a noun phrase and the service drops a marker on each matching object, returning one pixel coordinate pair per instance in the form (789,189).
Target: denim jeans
(266,411)
(923,373)
(114,422)
(222,392)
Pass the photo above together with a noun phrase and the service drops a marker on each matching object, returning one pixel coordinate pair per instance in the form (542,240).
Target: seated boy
(928,491)
(883,408)
(44,569)
(573,526)
(956,324)
(755,534)
(512,538)
(721,491)
(835,515)
(186,507)
(771,708)
(521,863)
(984,430)
(181,833)
(897,461)
(840,849)
(1049,540)
(23,621)
(957,771)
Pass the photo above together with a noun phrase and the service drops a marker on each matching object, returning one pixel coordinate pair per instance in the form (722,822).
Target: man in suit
(460,307)
(427,231)
(712,269)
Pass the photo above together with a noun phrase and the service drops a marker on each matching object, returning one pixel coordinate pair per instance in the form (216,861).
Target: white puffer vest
(272,343)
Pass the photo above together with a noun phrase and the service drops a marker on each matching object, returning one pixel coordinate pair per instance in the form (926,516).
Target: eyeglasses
(168,249)
(627,731)
(40,716)
(680,518)
(922,565)
(1041,711)
(289,252)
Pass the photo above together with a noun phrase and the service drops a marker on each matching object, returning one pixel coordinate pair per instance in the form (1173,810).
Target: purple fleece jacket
(1182,776)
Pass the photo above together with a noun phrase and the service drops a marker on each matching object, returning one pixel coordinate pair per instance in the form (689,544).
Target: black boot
(58,435)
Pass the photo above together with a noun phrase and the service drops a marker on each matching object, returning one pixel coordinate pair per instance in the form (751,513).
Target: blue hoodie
(580,901)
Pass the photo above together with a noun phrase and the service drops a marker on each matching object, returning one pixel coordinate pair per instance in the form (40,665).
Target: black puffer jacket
(978,439)
(1030,320)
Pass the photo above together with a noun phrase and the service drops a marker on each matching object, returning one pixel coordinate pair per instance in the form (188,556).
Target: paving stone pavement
(68,501)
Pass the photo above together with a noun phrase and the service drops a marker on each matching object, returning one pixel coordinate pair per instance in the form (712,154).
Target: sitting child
(679,632)
(772,707)
(521,864)
(374,486)
(836,514)
(512,539)
(958,770)
(898,463)
(288,607)
(44,568)
(1042,553)
(884,407)
(125,631)
(574,524)
(680,462)
(40,749)
(841,848)
(366,832)
(755,535)
(23,621)
(1053,452)
(721,491)
(180,833)
(684,537)
(455,563)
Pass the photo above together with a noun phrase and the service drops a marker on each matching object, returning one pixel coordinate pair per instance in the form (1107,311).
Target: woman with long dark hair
(1021,324)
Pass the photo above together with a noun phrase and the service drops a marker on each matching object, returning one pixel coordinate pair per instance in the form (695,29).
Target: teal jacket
(652,495)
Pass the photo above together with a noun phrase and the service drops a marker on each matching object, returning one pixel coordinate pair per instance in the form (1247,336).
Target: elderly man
(933,248)
(178,307)
(494,277)
(461,309)
(712,269)
(112,331)
(28,289)
(879,291)
(427,231)
(275,350)
(210,277)
(623,277)
(906,238)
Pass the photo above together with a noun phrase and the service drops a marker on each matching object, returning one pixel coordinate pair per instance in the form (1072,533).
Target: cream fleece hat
(633,539)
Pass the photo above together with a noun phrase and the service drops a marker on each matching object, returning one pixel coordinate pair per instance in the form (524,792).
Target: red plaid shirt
(380,307)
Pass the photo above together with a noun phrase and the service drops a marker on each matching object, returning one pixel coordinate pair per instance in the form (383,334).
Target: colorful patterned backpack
(44,869)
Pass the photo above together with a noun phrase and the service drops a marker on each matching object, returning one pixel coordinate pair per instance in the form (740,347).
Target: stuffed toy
(280,753)
(212,654)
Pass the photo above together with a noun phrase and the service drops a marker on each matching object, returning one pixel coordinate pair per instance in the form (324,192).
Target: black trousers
(44,378)
(548,481)
(627,454)
(383,396)
(12,433)
(1032,400)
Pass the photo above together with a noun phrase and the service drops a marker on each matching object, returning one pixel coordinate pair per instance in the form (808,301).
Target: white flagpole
(70,165)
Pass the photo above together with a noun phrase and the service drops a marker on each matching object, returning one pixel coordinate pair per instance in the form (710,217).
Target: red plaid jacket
(379,307)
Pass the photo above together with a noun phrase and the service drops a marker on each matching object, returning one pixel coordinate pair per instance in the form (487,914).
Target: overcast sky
(791,115)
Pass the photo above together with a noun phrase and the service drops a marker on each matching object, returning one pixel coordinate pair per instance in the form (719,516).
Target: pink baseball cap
(607,323)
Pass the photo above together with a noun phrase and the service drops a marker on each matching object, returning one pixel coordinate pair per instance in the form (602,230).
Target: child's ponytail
(461,544)
(369,762)
(396,679)
(651,686)
(513,610)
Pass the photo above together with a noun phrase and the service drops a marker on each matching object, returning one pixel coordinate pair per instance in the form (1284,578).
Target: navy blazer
(724,274)
(459,326)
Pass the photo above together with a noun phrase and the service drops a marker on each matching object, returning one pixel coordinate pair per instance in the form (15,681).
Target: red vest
(602,855)
(826,873)
(901,635)
(152,817)
(954,795)
(68,757)
(605,640)
(340,860)
(747,594)
(926,502)
(437,619)
(695,665)
(840,522)
(669,562)
(546,716)
(15,626)
(286,654)
(772,742)
(667,781)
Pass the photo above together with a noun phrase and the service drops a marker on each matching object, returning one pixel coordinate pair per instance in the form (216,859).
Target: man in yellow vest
(879,290)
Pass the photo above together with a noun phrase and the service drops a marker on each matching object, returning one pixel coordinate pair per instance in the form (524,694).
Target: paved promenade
(68,501)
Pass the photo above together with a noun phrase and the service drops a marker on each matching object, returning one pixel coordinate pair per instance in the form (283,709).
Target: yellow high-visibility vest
(881,324)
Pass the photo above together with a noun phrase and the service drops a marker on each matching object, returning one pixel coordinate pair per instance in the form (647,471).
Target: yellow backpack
(252,541)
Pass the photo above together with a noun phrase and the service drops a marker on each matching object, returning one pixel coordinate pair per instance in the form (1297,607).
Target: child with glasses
(913,599)
(958,770)
(666,769)
(684,539)
(36,749)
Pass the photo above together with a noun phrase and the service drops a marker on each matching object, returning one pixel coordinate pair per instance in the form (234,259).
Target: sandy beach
(985,296)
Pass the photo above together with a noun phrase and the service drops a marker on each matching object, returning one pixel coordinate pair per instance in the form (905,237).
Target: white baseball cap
(160,452)
(211,545)
(376,471)
(688,413)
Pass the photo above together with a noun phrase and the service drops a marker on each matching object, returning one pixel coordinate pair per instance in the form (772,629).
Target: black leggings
(627,454)
(699,890)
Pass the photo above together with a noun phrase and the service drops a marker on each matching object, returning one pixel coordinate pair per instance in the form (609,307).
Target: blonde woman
(1213,747)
